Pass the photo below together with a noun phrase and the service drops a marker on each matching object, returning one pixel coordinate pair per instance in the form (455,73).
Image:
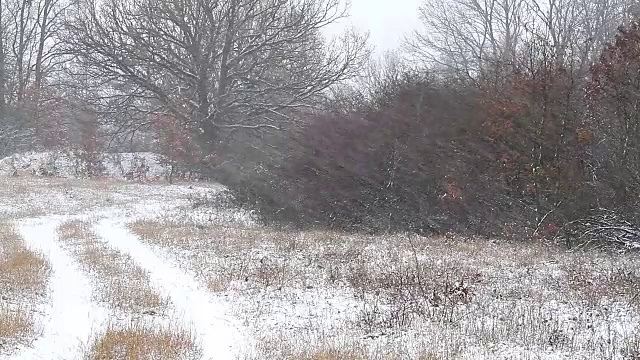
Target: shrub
(414,160)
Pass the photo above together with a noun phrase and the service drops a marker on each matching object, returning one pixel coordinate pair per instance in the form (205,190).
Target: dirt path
(195,308)
(70,316)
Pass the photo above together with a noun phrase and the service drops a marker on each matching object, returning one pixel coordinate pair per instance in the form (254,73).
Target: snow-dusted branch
(215,65)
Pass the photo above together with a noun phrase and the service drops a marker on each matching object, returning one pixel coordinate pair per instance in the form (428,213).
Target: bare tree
(578,30)
(473,38)
(23,38)
(212,64)
(3,57)
(28,57)
(377,75)
(49,21)
(466,37)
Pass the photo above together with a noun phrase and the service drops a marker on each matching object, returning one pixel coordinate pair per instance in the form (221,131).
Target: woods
(511,118)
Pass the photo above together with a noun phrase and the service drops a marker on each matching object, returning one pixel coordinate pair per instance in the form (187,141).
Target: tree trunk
(3,73)
(39,57)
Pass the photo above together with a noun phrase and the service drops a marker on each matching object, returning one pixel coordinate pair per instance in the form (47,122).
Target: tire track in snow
(196,309)
(71,317)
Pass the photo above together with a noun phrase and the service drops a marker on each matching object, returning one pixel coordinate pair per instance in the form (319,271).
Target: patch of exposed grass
(303,347)
(593,280)
(21,270)
(137,342)
(235,237)
(121,283)
(235,258)
(222,238)
(24,277)
(328,354)
(15,324)
(280,346)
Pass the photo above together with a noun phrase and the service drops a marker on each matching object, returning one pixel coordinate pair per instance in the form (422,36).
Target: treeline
(513,118)
(526,137)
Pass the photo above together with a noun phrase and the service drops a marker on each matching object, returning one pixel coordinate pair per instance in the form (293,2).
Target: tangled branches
(605,230)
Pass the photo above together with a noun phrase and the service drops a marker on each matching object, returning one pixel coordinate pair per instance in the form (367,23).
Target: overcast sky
(386,20)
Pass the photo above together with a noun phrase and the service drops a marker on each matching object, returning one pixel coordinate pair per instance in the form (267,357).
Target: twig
(415,259)
(545,217)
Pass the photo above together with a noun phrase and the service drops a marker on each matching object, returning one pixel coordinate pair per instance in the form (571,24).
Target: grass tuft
(24,276)
(137,342)
(15,324)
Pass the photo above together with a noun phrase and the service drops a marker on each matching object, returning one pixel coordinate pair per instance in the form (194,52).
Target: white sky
(387,21)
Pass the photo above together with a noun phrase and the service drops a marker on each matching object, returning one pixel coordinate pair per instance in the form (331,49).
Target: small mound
(76,164)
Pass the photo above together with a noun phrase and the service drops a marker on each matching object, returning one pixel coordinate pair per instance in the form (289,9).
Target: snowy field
(70,164)
(107,269)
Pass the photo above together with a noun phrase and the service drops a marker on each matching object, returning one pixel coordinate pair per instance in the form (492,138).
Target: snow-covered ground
(195,307)
(71,319)
(243,291)
(69,164)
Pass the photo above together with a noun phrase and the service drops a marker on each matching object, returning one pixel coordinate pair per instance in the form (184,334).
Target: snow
(119,164)
(521,303)
(218,333)
(70,316)
(67,164)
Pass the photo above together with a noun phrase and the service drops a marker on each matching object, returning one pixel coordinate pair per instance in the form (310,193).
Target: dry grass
(323,354)
(240,252)
(442,295)
(180,237)
(137,342)
(173,234)
(28,196)
(20,269)
(225,238)
(122,284)
(26,183)
(24,277)
(15,324)
(23,197)
(529,294)
(328,354)
(281,347)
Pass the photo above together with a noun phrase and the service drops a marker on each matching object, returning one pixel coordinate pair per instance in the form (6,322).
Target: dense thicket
(542,146)
(429,156)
